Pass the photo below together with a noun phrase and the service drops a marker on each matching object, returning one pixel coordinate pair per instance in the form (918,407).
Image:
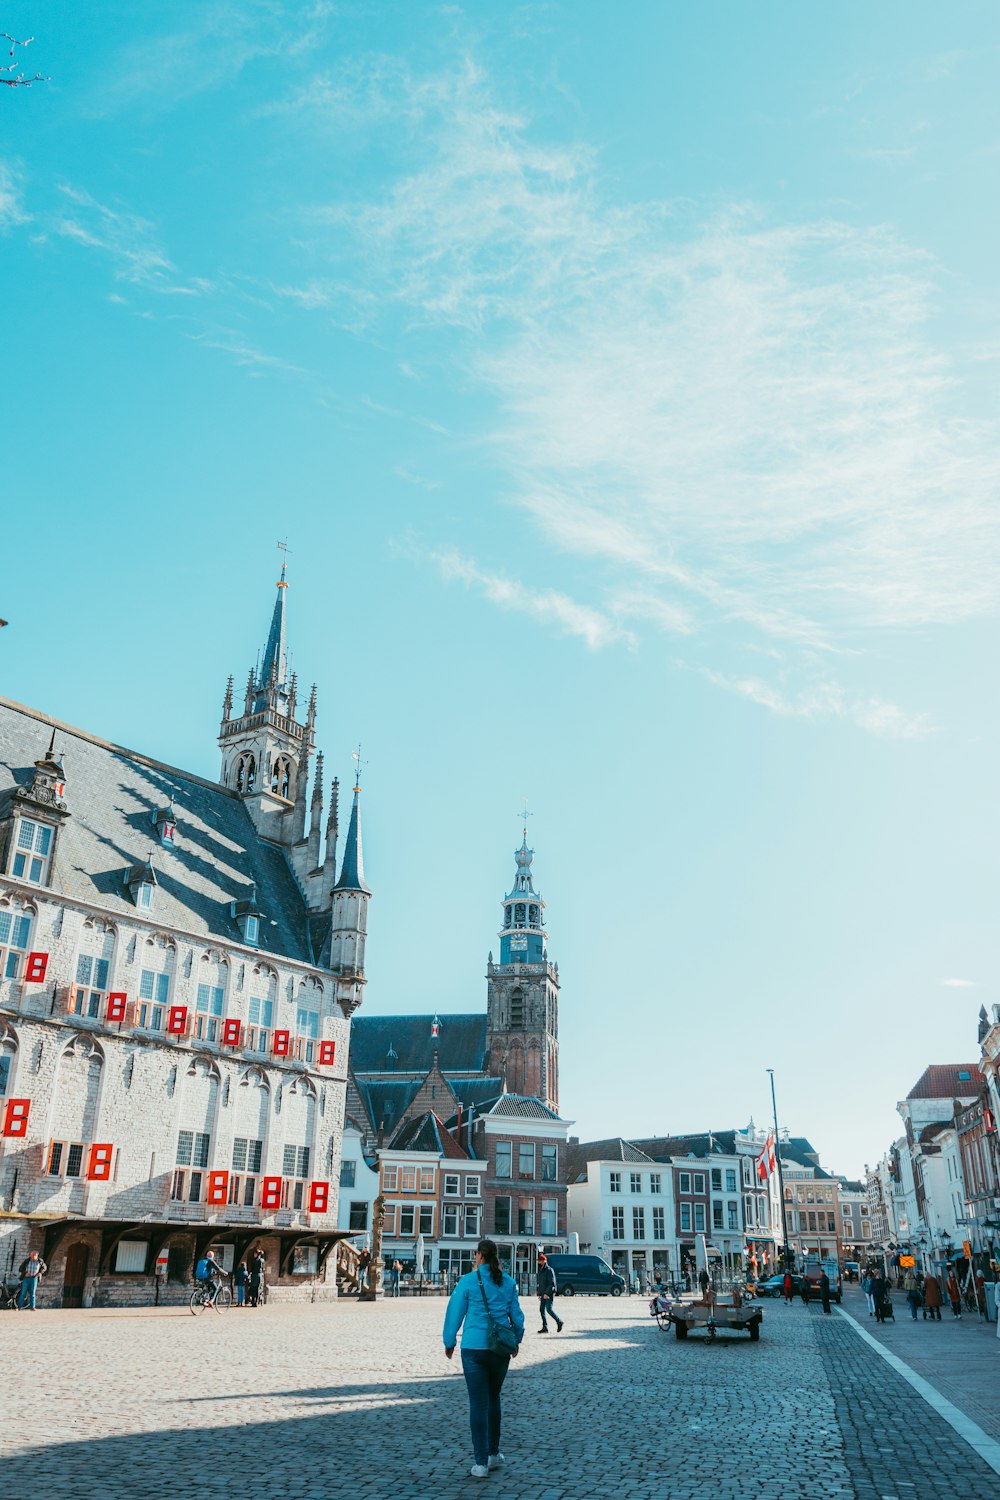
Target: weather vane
(356,755)
(284,547)
(524,816)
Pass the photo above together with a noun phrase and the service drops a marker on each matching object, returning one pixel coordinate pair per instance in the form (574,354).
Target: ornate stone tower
(522,1006)
(265,750)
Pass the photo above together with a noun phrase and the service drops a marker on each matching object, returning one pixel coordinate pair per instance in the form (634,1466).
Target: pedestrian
(397,1276)
(545,1290)
(703,1280)
(879,1292)
(911,1292)
(804,1289)
(932,1297)
(364,1261)
(30,1270)
(787,1288)
(866,1286)
(257,1279)
(824,1291)
(954,1294)
(240,1279)
(484,1304)
(657,1282)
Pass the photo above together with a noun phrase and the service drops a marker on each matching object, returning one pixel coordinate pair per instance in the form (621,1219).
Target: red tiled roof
(942,1081)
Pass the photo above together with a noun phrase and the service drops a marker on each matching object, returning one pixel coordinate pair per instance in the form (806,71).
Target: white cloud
(547,606)
(11,201)
(960,984)
(746,423)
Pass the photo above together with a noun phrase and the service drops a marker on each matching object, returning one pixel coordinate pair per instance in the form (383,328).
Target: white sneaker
(479,1471)
(497,1461)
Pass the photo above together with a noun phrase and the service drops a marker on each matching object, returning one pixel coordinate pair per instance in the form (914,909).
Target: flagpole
(781,1177)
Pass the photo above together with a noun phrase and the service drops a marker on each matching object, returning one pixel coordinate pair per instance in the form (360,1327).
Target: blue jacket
(465,1305)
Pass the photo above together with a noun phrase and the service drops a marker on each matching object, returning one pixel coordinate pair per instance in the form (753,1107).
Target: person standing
(477,1301)
(240,1279)
(878,1290)
(787,1288)
(364,1261)
(545,1290)
(397,1276)
(824,1291)
(932,1297)
(804,1289)
(954,1294)
(911,1292)
(257,1279)
(866,1287)
(30,1270)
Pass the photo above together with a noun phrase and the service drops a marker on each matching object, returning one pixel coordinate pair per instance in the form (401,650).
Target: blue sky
(624,380)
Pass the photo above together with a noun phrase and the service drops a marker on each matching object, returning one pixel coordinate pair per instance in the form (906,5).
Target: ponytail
(488,1250)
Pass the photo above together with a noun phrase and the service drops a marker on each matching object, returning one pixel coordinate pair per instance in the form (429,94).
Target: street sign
(967,1247)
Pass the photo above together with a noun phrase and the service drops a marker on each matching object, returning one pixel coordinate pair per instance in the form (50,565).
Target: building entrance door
(75,1278)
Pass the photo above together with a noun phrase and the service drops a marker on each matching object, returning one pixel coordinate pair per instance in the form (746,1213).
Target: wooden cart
(715,1311)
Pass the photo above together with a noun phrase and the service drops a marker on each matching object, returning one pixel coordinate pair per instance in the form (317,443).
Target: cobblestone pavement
(959,1356)
(358,1401)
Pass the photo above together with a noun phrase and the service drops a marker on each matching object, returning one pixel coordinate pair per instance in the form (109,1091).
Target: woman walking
(483,1300)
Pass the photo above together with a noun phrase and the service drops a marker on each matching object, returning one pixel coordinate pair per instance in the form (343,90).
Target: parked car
(774,1286)
(585,1273)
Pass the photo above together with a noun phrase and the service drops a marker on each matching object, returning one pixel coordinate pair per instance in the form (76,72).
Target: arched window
(93,967)
(517,1010)
(533,916)
(239,775)
(15,936)
(519,914)
(8,1057)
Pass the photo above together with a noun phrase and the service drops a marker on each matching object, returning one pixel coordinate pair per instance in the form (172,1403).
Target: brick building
(178,965)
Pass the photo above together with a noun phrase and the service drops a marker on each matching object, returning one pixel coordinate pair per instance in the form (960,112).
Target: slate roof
(476,1091)
(665,1147)
(388,1102)
(614,1149)
(460,1044)
(522,1108)
(941,1081)
(112,794)
(427,1133)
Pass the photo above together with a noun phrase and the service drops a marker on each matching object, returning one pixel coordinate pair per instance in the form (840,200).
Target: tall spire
(274,667)
(523,938)
(352,871)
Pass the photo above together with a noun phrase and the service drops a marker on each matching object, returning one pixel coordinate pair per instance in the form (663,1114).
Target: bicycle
(218,1296)
(9,1293)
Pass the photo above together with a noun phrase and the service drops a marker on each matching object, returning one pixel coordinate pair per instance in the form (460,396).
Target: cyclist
(209,1275)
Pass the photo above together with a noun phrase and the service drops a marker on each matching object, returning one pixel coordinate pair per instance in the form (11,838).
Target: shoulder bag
(501,1340)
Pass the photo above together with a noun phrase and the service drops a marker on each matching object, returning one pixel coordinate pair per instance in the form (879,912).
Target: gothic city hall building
(179,963)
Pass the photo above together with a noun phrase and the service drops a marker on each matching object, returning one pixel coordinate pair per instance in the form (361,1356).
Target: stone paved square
(306,1403)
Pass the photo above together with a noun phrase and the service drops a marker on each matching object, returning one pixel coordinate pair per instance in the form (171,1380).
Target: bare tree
(17,80)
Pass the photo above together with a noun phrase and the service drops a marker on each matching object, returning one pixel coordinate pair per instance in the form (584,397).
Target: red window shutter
(15,1117)
(319,1197)
(218,1187)
(99,1168)
(117,1004)
(327,1052)
(270,1192)
(177,1020)
(282,1043)
(36,967)
(232,1031)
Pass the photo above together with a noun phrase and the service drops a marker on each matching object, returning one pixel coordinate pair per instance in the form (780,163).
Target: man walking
(545,1288)
(824,1291)
(29,1271)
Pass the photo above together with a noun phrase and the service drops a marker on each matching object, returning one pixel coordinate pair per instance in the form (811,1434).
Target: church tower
(522,1006)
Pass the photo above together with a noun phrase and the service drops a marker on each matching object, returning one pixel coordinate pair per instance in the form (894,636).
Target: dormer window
(247,915)
(33,849)
(166,824)
(141,881)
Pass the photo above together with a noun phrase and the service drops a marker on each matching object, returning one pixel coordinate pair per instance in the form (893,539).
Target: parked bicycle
(9,1292)
(218,1296)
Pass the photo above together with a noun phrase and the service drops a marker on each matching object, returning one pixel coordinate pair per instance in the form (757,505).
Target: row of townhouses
(935,1194)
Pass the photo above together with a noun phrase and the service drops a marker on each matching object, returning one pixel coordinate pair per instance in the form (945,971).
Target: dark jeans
(545,1306)
(932,1313)
(484,1375)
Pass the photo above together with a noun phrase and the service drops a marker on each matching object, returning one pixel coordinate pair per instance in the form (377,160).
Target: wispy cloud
(746,423)
(960,984)
(547,606)
(129,241)
(823,701)
(11,198)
